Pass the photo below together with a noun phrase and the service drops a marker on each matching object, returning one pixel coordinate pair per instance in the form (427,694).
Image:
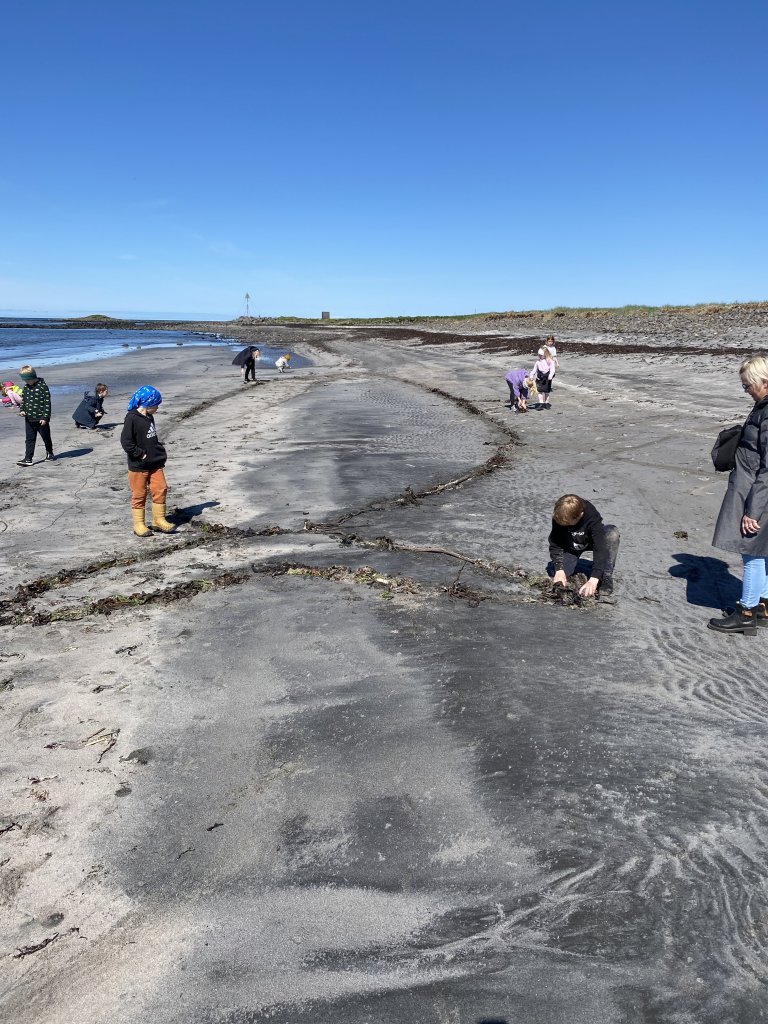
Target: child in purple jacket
(519,383)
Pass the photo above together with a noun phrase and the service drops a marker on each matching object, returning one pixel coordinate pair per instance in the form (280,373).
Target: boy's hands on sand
(749,525)
(560,578)
(590,587)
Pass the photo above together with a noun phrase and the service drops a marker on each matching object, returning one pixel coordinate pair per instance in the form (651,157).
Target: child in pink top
(544,370)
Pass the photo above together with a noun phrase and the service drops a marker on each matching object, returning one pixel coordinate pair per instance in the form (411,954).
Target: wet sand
(329,753)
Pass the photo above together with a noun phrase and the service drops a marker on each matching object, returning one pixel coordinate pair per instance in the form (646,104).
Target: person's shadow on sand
(75,453)
(711,584)
(186,515)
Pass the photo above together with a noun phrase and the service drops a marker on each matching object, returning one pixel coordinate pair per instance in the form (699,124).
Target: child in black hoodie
(577,527)
(146,458)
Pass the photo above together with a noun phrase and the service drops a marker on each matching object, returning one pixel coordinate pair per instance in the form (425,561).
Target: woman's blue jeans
(755,584)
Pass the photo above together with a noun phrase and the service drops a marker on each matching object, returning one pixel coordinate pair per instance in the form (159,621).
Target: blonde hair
(754,370)
(568,510)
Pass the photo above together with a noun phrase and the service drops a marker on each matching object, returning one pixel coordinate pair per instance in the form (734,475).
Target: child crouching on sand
(146,459)
(11,395)
(91,410)
(577,527)
(283,363)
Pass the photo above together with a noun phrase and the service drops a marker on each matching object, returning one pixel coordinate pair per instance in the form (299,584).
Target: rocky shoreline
(724,322)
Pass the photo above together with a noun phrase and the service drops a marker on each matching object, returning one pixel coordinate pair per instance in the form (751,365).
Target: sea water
(49,346)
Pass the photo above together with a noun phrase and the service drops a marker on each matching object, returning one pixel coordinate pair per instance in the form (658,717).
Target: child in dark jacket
(91,409)
(146,459)
(36,410)
(577,527)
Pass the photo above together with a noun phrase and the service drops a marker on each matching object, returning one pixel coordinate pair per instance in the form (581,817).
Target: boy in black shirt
(577,527)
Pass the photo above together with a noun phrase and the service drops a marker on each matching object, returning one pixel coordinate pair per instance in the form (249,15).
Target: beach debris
(216,824)
(124,790)
(189,849)
(6,684)
(563,594)
(101,687)
(22,951)
(128,650)
(108,736)
(28,950)
(458,590)
(681,534)
(10,828)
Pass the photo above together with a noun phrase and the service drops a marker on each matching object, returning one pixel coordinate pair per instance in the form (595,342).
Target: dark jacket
(85,413)
(586,535)
(36,400)
(243,357)
(140,442)
(747,492)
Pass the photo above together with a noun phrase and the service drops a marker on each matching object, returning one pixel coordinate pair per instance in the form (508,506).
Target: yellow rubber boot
(159,522)
(139,526)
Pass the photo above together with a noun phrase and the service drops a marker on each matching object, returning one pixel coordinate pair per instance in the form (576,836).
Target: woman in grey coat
(742,524)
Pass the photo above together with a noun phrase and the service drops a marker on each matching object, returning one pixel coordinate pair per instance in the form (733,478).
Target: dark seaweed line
(15,610)
(389,586)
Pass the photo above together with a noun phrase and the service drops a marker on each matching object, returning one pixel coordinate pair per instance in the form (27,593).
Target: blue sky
(403,158)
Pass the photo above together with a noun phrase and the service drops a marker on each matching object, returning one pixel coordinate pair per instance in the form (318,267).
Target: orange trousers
(142,480)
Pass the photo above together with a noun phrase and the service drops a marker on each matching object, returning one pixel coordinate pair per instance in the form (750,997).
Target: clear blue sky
(376,159)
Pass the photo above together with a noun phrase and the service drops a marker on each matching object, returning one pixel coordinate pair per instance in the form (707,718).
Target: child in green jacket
(36,410)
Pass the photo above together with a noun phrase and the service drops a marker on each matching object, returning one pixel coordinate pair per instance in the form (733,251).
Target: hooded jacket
(36,400)
(244,357)
(85,413)
(140,442)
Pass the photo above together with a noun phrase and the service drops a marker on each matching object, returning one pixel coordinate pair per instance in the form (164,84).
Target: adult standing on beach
(146,459)
(36,410)
(742,525)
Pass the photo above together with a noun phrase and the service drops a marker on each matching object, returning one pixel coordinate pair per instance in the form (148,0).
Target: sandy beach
(330,752)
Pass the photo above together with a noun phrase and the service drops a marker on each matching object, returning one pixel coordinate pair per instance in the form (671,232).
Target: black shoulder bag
(724,452)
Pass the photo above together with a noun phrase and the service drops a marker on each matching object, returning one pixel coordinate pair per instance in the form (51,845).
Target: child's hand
(590,587)
(560,578)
